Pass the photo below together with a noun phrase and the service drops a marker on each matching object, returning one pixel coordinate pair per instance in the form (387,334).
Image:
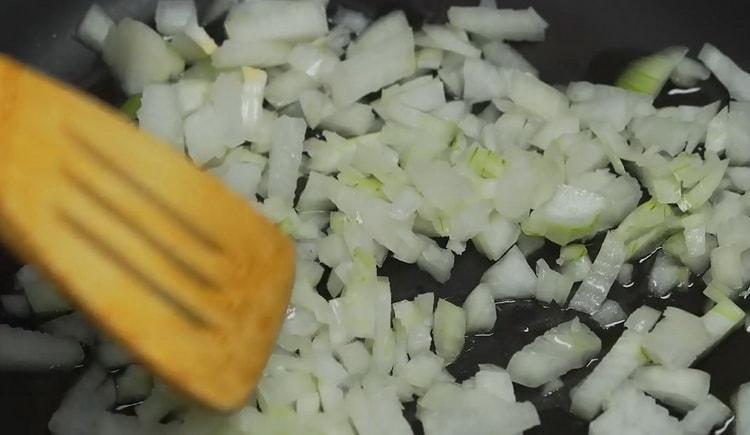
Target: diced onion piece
(43,297)
(375,411)
(193,43)
(570,214)
(435,260)
(742,409)
(666,274)
(551,285)
(282,20)
(172,16)
(448,39)
(503,55)
(71,326)
(565,347)
(594,289)
(133,384)
(443,410)
(480,310)
(537,97)
(285,158)
(160,114)
(91,395)
(677,339)
(138,56)
(689,72)
(643,319)
(682,388)
(34,351)
(623,359)
(729,74)
(95,27)
(631,409)
(499,235)
(422,369)
(505,24)
(511,277)
(610,314)
(388,58)
(709,413)
(449,329)
(648,74)
(258,53)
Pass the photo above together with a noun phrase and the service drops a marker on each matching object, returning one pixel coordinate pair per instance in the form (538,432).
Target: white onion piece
(435,260)
(429,58)
(666,274)
(594,289)
(742,409)
(709,413)
(504,55)
(480,309)
(258,53)
(537,97)
(565,347)
(278,20)
(83,403)
(112,355)
(71,326)
(551,285)
(133,384)
(729,74)
(643,319)
(375,411)
(610,314)
(689,72)
(443,410)
(422,369)
(172,16)
(682,388)
(511,277)
(505,24)
(448,330)
(615,367)
(43,297)
(497,237)
(160,114)
(447,39)
(32,351)
(677,339)
(159,403)
(630,411)
(381,59)
(285,158)
(95,27)
(494,380)
(138,56)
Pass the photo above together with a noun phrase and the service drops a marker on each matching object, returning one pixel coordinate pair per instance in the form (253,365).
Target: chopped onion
(95,27)
(617,365)
(682,388)
(449,329)
(511,277)
(506,24)
(480,309)
(35,351)
(568,346)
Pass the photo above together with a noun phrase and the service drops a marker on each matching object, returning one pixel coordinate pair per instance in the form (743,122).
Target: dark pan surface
(587,40)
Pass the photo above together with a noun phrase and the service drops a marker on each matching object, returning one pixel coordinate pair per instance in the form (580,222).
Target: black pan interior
(587,40)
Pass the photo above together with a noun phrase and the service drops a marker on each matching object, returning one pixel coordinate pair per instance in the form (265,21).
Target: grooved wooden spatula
(181,271)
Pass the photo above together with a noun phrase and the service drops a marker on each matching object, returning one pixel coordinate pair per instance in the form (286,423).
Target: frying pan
(587,40)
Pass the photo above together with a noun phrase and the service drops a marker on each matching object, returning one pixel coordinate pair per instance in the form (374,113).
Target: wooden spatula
(181,271)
